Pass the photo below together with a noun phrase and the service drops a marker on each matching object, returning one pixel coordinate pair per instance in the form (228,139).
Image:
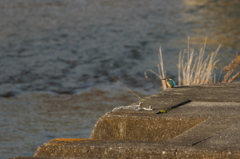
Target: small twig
(148,70)
(126,87)
(234,77)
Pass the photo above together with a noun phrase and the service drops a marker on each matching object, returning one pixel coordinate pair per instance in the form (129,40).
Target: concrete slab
(189,106)
(201,122)
(129,149)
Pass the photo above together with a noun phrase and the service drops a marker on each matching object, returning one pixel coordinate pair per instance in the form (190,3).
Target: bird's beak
(163,79)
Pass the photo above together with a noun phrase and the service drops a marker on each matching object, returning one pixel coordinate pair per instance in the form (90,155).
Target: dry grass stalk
(161,72)
(230,69)
(196,68)
(136,95)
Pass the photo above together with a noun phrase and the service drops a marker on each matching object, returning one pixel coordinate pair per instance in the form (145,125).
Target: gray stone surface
(202,122)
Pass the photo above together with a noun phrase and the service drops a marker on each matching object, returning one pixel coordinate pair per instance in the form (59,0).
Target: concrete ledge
(126,149)
(142,127)
(201,122)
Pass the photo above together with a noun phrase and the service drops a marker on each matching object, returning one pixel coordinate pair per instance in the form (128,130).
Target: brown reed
(196,68)
(230,69)
(161,72)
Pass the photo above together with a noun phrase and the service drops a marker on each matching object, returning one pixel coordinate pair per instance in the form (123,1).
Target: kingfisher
(170,83)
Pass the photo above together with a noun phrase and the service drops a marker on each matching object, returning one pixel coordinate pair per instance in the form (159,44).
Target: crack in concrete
(181,104)
(198,142)
(175,152)
(173,107)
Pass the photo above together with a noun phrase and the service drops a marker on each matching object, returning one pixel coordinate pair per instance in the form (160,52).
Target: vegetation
(161,72)
(230,69)
(197,68)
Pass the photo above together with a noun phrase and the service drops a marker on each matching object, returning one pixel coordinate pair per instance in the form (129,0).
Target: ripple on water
(67,47)
(29,120)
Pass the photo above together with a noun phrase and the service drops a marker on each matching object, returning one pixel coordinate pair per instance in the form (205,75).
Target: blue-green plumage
(170,82)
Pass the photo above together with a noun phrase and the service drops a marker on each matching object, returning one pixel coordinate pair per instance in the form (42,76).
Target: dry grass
(131,91)
(196,68)
(230,69)
(193,68)
(161,72)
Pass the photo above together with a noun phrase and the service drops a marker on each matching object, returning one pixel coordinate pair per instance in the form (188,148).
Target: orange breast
(168,84)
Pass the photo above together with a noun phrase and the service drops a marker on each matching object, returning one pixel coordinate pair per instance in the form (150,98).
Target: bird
(170,83)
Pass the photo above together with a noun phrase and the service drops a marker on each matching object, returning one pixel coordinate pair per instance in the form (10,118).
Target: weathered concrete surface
(190,105)
(204,122)
(127,149)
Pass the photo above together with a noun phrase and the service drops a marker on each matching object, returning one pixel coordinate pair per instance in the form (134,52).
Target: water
(33,119)
(56,57)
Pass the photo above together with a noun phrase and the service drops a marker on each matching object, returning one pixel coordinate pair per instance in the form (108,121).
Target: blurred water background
(55,57)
